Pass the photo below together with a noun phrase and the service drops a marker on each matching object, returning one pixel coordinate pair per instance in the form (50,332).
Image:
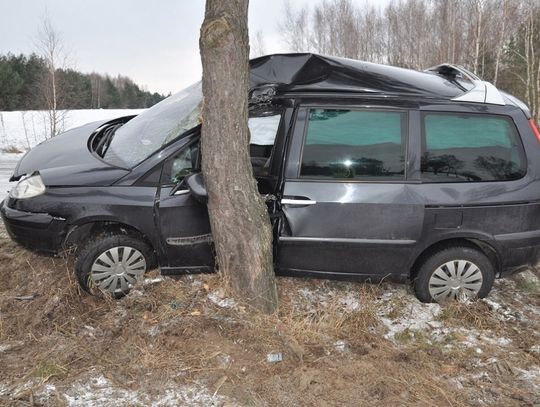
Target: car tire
(454,273)
(112,264)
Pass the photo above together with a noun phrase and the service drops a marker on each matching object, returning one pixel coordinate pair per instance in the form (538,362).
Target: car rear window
(364,145)
(470,148)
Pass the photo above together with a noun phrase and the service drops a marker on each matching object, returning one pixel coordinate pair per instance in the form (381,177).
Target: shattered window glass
(182,165)
(149,131)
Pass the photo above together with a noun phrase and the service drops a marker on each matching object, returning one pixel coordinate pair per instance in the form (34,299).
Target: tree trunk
(238,215)
(478,39)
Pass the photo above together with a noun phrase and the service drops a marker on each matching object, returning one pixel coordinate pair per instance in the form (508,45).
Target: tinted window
(354,144)
(468,148)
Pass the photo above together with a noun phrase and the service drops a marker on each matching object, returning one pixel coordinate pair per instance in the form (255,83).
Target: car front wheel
(454,273)
(112,264)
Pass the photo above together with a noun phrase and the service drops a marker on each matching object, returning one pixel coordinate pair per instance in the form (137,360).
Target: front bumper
(36,231)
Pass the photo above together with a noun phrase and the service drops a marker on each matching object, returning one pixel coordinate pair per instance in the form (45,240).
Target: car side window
(185,162)
(470,148)
(355,144)
(263,130)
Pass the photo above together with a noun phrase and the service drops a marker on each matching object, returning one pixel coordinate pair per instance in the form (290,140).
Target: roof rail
(481,92)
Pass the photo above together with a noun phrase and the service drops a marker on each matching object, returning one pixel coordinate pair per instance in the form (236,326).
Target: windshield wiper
(106,138)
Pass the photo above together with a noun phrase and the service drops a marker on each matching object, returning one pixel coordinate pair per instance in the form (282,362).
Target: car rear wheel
(454,273)
(112,264)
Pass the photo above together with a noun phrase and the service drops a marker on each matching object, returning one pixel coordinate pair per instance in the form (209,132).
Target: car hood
(65,160)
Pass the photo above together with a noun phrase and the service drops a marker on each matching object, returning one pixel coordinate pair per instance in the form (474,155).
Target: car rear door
(347,203)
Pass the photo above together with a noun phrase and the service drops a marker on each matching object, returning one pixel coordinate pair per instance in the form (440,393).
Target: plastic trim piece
(482,92)
(297,202)
(397,242)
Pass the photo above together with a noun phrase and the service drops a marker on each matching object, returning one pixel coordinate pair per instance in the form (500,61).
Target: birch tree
(257,45)
(52,49)
(497,39)
(295,28)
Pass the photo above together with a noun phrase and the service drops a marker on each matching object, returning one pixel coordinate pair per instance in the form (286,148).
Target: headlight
(28,187)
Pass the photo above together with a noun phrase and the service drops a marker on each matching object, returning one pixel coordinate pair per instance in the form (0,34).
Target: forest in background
(24,79)
(499,40)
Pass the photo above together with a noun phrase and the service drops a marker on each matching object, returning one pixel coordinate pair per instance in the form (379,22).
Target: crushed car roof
(311,73)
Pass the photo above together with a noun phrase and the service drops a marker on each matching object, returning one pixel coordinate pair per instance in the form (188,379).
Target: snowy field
(21,130)
(25,129)
(7,164)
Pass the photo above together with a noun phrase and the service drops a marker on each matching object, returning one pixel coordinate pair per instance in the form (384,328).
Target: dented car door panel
(345,227)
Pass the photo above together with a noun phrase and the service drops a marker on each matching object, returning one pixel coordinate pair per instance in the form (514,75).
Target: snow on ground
(7,164)
(100,392)
(413,316)
(97,391)
(21,130)
(25,129)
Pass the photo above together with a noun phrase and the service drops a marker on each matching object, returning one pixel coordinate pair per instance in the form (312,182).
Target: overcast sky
(155,42)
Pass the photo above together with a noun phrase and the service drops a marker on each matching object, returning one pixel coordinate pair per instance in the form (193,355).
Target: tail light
(535,129)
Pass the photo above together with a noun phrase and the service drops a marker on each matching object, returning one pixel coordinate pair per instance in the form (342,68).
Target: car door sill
(339,275)
(171,271)
(398,242)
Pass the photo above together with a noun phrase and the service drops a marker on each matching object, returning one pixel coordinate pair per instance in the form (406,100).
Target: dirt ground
(185,342)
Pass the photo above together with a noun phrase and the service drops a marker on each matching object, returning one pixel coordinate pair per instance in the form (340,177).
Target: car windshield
(149,131)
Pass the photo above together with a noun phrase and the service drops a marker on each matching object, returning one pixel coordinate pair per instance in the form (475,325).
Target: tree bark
(238,215)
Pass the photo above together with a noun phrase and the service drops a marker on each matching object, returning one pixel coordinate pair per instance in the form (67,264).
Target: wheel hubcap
(117,269)
(457,279)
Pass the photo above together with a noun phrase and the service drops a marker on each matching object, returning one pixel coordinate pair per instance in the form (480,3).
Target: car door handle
(182,192)
(306,201)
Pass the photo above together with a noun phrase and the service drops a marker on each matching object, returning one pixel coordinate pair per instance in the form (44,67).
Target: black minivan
(375,172)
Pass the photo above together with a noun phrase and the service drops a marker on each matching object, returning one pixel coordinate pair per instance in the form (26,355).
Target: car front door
(347,203)
(182,221)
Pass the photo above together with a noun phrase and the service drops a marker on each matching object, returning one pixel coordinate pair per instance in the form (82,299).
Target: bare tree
(3,126)
(371,35)
(478,34)
(51,48)
(238,215)
(295,28)
(95,87)
(23,119)
(336,28)
(478,7)
(257,45)
(531,57)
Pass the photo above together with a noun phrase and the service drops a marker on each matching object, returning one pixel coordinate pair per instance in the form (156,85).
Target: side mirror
(196,185)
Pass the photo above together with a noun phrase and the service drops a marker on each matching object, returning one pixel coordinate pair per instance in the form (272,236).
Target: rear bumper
(36,231)
(520,250)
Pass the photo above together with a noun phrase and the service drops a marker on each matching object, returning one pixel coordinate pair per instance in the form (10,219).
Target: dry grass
(475,314)
(172,333)
(11,150)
